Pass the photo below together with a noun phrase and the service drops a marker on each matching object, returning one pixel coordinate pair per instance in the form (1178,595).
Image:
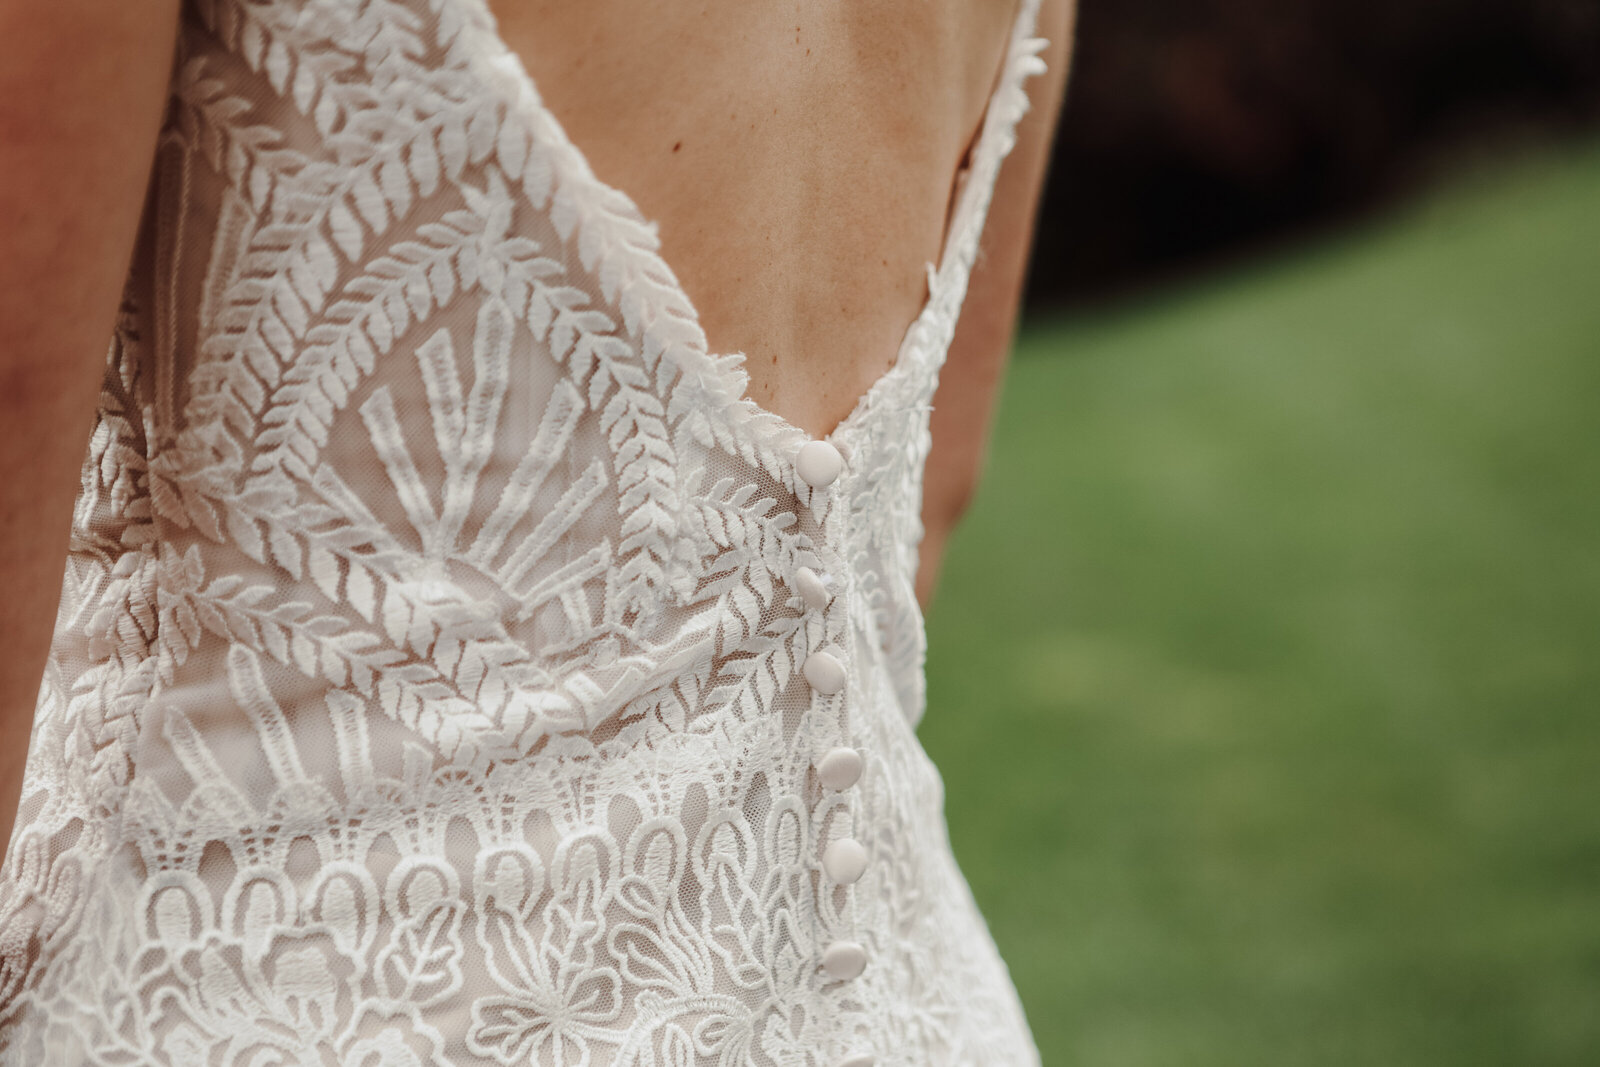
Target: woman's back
(454,664)
(800,160)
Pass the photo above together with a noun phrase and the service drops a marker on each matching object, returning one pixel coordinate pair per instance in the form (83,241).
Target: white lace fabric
(429,681)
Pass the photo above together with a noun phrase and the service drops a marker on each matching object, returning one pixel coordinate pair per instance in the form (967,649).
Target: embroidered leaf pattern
(429,683)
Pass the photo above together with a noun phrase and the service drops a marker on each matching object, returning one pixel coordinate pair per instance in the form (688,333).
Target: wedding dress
(453,666)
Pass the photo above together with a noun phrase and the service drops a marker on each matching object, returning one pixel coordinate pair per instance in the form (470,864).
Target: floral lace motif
(427,687)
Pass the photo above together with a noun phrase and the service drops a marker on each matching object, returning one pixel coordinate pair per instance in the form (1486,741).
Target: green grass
(1265,671)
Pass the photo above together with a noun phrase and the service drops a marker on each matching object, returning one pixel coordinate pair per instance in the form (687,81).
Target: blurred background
(1265,671)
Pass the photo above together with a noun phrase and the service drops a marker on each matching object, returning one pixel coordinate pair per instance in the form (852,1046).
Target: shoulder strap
(996,137)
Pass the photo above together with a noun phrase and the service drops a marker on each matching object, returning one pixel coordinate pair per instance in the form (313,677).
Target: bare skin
(963,407)
(800,162)
(81,95)
(800,165)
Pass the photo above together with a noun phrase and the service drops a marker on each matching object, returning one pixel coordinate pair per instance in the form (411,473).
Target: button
(844,960)
(825,673)
(858,1059)
(818,464)
(812,588)
(840,768)
(844,860)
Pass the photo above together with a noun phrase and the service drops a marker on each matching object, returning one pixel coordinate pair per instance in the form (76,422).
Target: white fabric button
(812,589)
(818,464)
(844,960)
(844,860)
(858,1059)
(840,768)
(825,673)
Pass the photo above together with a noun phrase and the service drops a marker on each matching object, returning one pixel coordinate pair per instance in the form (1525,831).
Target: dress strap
(947,282)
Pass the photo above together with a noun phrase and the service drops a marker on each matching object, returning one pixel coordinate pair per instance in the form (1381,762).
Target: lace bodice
(453,668)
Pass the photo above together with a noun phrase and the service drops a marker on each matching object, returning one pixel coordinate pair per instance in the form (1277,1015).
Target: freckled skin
(822,191)
(802,238)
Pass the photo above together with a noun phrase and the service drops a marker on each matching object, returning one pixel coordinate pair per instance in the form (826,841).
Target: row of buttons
(844,860)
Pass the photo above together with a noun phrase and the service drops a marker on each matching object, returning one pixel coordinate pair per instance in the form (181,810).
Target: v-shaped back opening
(966,205)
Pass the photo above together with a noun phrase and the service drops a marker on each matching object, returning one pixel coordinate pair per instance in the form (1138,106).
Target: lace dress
(453,667)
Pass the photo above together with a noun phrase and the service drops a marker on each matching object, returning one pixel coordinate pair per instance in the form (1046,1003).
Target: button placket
(839,768)
(818,465)
(824,673)
(844,859)
(813,589)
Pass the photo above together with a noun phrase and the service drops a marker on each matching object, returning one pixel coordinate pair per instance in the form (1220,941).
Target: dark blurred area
(1199,129)
(1261,677)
